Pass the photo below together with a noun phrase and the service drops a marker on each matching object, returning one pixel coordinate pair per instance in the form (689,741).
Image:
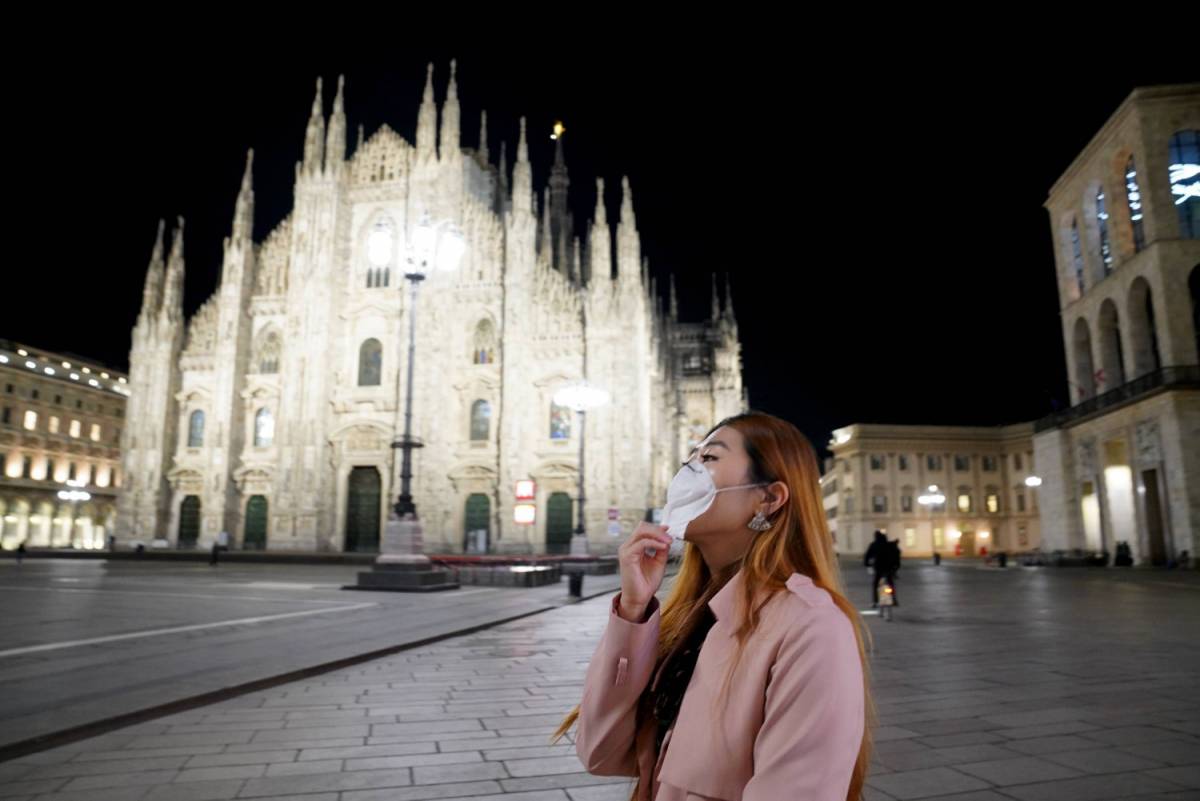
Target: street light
(929,499)
(580,396)
(1033,481)
(425,247)
(400,565)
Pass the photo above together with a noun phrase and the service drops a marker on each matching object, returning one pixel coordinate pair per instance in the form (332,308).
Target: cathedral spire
(172,302)
(674,307)
(560,213)
(600,241)
(314,136)
(451,127)
(243,213)
(629,257)
(427,118)
(728,311)
(544,240)
(601,216)
(522,180)
(335,141)
(152,290)
(716,300)
(483,145)
(503,164)
(358,147)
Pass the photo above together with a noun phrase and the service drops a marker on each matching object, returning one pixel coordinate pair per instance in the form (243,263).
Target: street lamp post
(933,497)
(401,566)
(580,397)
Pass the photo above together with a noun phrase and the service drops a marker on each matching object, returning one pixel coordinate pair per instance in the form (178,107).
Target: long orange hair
(797,542)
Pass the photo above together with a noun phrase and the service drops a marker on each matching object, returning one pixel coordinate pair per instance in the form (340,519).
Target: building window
(910,538)
(30,420)
(879,504)
(267,352)
(933,462)
(989,464)
(1133,198)
(74,429)
(8,388)
(196,429)
(78,404)
(70,471)
(264,428)
(34,394)
(1020,502)
(380,249)
(50,470)
(481,416)
(560,422)
(939,538)
(1102,226)
(1183,164)
(7,415)
(906,503)
(993,503)
(1017,461)
(95,433)
(58,400)
(964,502)
(27,467)
(877,461)
(849,502)
(484,343)
(962,463)
(1077,256)
(370,363)
(902,461)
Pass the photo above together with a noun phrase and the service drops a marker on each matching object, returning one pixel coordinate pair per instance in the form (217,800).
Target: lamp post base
(400,566)
(579,545)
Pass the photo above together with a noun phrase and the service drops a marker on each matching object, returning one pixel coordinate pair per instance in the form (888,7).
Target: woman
(750,682)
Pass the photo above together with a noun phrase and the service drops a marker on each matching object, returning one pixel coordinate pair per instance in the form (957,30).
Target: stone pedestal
(400,566)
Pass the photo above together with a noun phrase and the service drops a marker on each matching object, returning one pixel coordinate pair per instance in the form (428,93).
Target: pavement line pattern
(54,646)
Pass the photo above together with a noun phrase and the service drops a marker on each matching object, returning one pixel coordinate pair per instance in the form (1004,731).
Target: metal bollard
(576,585)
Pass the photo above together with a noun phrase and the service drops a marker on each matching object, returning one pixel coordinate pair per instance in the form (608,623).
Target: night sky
(879,212)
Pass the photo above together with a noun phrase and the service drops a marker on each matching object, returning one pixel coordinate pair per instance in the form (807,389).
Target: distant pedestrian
(21,552)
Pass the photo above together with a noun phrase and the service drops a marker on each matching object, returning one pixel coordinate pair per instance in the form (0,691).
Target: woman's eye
(707,456)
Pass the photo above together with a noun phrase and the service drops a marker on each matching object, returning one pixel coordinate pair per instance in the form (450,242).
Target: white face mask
(691,492)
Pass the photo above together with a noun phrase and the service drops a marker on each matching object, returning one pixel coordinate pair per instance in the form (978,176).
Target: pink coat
(792,725)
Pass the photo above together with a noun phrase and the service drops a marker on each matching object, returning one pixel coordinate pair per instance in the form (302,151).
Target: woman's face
(723,454)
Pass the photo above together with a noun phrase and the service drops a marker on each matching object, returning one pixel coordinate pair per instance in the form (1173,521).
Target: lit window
(993,503)
(910,538)
(1102,227)
(1133,197)
(1183,164)
(74,431)
(964,502)
(30,420)
(481,415)
(53,425)
(1077,256)
(95,433)
(264,428)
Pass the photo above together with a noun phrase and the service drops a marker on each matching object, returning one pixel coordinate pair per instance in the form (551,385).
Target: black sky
(879,208)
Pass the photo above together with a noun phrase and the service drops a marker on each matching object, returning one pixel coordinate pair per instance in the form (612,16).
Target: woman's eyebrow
(716,442)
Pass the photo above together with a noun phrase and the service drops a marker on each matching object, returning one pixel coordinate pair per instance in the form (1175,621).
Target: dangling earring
(759,522)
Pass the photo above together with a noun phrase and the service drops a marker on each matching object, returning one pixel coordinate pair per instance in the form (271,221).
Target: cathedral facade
(272,412)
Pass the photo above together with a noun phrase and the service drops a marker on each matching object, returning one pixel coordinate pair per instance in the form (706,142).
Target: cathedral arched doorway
(362,510)
(189,522)
(477,532)
(255,536)
(558,523)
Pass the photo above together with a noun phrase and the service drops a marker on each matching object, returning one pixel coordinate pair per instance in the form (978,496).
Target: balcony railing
(1187,375)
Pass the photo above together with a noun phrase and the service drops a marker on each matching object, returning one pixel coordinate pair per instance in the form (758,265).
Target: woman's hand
(642,574)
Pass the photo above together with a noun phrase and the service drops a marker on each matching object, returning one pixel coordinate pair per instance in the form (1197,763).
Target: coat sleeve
(814,716)
(618,673)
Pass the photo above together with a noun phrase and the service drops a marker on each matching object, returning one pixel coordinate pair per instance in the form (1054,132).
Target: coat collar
(723,602)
